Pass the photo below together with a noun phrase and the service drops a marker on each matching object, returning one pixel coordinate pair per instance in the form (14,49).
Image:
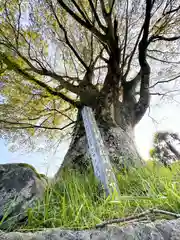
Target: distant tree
(57,56)
(164,149)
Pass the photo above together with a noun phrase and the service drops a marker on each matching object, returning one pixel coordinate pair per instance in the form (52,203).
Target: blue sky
(47,163)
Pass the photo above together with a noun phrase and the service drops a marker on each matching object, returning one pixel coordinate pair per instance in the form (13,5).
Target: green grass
(76,202)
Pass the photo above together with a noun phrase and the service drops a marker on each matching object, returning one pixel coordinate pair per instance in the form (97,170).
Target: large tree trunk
(118,136)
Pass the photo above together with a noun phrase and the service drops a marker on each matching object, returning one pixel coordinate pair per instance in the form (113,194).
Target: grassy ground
(74,202)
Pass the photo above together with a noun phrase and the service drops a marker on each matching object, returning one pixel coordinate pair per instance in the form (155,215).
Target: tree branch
(83,23)
(145,213)
(111,5)
(80,11)
(96,16)
(29,125)
(133,83)
(132,54)
(144,41)
(144,99)
(15,67)
(165,81)
(67,39)
(103,9)
(162,38)
(65,115)
(129,89)
(96,59)
(161,60)
(45,72)
(172,11)
(125,40)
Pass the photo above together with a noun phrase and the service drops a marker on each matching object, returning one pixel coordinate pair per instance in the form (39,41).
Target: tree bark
(117,131)
(116,119)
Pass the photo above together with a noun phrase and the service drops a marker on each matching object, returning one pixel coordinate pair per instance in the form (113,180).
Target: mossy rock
(39,175)
(20,188)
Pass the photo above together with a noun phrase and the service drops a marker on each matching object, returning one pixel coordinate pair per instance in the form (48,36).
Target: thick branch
(93,9)
(111,5)
(144,41)
(132,54)
(162,38)
(144,99)
(106,14)
(103,8)
(172,11)
(80,11)
(15,67)
(129,89)
(125,38)
(67,39)
(29,125)
(111,33)
(133,83)
(83,23)
(45,72)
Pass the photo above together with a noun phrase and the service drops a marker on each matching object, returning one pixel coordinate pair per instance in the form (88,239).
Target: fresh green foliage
(77,202)
(47,48)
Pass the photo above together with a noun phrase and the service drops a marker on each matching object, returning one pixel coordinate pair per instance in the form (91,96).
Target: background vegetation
(76,201)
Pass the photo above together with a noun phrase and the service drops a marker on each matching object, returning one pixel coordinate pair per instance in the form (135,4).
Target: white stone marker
(100,159)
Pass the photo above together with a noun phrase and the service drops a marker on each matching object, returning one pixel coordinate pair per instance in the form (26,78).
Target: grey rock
(160,230)
(20,187)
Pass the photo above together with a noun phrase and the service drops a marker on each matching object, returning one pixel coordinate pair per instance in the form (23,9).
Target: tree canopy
(53,53)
